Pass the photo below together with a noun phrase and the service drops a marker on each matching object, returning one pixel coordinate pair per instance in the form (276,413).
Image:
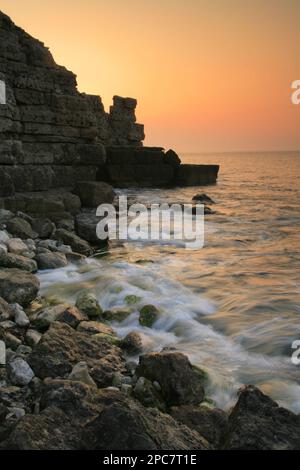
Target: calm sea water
(233,306)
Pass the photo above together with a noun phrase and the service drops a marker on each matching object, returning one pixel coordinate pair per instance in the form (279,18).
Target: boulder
(132,343)
(258,423)
(77,244)
(88,304)
(20,373)
(94,193)
(18,286)
(76,416)
(203,198)
(80,373)
(43,319)
(86,227)
(51,260)
(16,246)
(20,316)
(5,216)
(211,423)
(149,314)
(95,328)
(32,338)
(10,260)
(61,347)
(196,175)
(180,382)
(43,227)
(171,158)
(147,394)
(19,227)
(6,312)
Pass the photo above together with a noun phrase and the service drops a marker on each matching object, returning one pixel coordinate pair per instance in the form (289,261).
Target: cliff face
(50,134)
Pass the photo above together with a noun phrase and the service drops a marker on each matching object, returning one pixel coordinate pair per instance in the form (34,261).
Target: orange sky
(209,75)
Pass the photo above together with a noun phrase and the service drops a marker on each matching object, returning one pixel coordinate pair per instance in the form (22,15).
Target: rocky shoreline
(70,382)
(67,381)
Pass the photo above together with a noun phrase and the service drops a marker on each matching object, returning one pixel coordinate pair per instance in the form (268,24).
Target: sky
(209,75)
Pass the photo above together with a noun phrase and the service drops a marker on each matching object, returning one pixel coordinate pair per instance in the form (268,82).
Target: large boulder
(62,347)
(180,382)
(94,193)
(76,416)
(86,227)
(258,423)
(18,286)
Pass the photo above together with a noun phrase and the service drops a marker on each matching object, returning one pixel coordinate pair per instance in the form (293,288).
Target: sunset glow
(208,75)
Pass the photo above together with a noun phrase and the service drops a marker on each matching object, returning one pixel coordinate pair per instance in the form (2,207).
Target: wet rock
(50,245)
(4,237)
(43,227)
(76,416)
(180,382)
(86,228)
(78,245)
(51,260)
(10,260)
(61,347)
(23,351)
(64,249)
(18,286)
(132,343)
(88,304)
(3,249)
(80,373)
(20,316)
(72,316)
(94,193)
(258,423)
(16,246)
(19,371)
(43,319)
(210,423)
(116,314)
(149,314)
(20,228)
(147,394)
(32,338)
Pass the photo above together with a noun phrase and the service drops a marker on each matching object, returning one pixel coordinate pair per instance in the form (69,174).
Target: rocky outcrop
(258,423)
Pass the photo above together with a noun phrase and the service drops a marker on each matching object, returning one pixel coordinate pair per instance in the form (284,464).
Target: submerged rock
(116,314)
(204,198)
(258,423)
(149,314)
(88,304)
(180,383)
(132,343)
(18,286)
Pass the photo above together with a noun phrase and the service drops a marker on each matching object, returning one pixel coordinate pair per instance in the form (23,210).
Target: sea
(233,306)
